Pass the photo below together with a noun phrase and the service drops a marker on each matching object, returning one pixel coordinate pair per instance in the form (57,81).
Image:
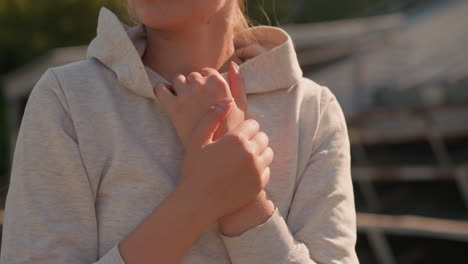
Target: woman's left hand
(196,93)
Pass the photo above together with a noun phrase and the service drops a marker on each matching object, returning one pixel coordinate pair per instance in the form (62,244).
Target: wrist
(250,216)
(199,206)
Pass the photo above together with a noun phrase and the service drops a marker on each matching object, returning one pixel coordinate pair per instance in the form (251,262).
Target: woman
(107,169)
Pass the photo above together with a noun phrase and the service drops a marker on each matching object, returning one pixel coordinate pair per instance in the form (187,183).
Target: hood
(120,48)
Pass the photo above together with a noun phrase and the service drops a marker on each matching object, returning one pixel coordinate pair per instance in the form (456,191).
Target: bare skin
(193,37)
(202,38)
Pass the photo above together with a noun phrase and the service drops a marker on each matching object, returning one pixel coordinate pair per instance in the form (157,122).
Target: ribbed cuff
(112,256)
(270,242)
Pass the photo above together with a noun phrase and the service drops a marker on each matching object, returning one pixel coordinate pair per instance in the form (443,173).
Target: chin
(173,14)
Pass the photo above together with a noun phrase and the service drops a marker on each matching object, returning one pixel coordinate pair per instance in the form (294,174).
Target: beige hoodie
(96,154)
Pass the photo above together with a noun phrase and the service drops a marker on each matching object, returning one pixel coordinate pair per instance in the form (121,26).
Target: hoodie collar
(121,47)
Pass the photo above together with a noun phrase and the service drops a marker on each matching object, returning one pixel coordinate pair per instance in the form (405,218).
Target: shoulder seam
(322,110)
(65,103)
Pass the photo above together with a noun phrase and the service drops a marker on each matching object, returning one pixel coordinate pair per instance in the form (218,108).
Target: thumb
(203,134)
(237,85)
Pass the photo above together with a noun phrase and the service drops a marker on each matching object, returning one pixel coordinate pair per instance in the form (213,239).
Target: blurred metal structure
(368,62)
(432,125)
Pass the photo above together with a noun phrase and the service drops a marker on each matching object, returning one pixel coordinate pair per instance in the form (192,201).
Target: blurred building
(410,59)
(402,81)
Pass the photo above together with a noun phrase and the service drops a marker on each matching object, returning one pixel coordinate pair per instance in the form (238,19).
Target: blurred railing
(410,171)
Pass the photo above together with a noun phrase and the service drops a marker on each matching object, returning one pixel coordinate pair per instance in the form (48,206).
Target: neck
(170,52)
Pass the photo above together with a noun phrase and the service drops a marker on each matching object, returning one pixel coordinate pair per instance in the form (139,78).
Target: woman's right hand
(230,172)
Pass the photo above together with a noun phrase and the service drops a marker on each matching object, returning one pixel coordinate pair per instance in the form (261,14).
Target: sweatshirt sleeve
(49,212)
(321,223)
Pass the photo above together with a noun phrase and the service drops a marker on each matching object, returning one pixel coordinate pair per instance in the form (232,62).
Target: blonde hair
(243,21)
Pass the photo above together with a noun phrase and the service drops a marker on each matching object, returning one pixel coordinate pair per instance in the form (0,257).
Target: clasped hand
(226,158)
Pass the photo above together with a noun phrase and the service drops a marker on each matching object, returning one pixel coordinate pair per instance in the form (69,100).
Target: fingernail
(235,66)
(224,103)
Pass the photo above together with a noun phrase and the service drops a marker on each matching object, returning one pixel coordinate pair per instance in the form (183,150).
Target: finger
(237,86)
(205,72)
(250,51)
(213,77)
(260,141)
(164,96)
(266,157)
(218,79)
(194,78)
(247,129)
(266,175)
(206,128)
(179,83)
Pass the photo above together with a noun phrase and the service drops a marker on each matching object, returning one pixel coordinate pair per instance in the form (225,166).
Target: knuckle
(192,74)
(250,155)
(195,79)
(238,139)
(179,78)
(249,152)
(253,122)
(266,171)
(216,79)
(208,70)
(266,174)
(270,154)
(263,135)
(258,185)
